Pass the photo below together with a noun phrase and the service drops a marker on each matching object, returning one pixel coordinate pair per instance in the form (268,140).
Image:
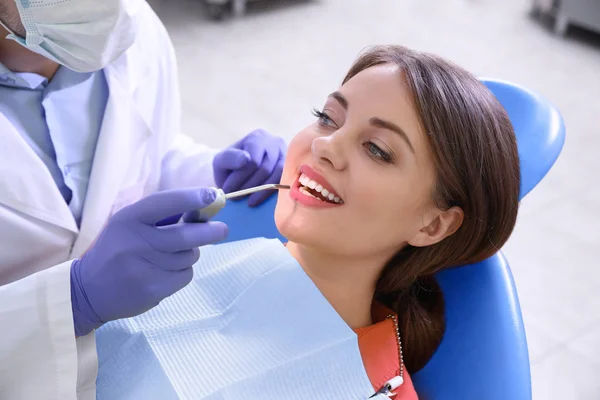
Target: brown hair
(475,154)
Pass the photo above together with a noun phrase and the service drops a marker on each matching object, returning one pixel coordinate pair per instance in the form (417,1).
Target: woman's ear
(444,224)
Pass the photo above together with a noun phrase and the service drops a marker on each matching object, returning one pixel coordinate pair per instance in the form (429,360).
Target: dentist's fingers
(257,198)
(227,161)
(265,169)
(186,236)
(161,205)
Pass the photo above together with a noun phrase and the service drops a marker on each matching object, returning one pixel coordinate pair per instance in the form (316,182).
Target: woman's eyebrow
(379,123)
(341,99)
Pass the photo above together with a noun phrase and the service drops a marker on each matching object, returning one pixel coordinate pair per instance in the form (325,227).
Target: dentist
(93,176)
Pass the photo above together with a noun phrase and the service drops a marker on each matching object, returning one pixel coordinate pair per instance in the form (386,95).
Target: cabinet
(583,13)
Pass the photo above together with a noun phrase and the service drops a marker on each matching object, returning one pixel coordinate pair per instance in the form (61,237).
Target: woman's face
(367,153)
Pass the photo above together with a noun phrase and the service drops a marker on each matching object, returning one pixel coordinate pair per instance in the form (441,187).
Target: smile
(312,190)
(310,187)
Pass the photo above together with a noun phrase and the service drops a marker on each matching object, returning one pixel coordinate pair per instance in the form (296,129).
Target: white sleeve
(187,164)
(39,356)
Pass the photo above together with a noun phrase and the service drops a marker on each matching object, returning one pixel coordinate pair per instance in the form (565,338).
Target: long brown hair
(475,153)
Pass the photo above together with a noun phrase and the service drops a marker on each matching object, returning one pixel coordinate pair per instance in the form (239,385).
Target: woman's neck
(347,283)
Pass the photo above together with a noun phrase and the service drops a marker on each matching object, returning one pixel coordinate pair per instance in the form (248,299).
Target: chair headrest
(539,128)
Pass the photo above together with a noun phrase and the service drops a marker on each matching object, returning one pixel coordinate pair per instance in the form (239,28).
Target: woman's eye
(376,152)
(324,119)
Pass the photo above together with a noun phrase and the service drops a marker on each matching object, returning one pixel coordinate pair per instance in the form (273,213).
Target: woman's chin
(300,231)
(303,226)
(293,231)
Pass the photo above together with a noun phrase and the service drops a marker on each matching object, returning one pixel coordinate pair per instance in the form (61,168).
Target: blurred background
(269,67)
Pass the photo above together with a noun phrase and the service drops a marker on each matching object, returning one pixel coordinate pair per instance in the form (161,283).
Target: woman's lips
(318,187)
(308,200)
(312,188)
(311,178)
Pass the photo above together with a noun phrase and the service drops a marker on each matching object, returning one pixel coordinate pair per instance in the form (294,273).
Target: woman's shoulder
(379,349)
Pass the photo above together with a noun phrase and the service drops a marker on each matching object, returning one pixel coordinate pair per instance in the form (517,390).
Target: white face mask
(82,35)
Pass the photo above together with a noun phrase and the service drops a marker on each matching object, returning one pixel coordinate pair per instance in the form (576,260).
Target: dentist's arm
(187,164)
(132,266)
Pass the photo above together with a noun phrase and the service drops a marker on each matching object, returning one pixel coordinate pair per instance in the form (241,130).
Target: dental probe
(206,213)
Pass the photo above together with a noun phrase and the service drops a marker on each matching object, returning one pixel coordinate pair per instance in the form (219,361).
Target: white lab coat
(138,152)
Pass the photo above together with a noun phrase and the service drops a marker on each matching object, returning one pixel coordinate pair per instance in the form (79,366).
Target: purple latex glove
(134,264)
(255,160)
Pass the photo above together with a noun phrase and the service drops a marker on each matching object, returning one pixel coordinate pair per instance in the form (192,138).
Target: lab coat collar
(123,132)
(27,185)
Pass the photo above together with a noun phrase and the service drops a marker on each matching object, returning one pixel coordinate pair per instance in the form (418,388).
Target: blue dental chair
(483,355)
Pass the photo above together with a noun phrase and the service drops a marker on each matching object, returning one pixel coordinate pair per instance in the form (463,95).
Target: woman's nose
(327,150)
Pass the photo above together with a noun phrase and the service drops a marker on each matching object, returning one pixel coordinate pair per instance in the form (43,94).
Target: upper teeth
(317,187)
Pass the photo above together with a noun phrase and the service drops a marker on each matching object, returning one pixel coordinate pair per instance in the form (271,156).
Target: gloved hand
(134,264)
(255,160)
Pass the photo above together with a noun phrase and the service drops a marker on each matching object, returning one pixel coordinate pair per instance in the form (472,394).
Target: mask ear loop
(32,34)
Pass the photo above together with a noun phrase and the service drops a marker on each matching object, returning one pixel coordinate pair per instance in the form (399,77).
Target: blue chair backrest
(484,351)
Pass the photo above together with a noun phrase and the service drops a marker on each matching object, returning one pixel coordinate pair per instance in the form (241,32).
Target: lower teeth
(304,190)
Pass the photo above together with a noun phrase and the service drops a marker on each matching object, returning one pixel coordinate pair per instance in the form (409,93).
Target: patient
(410,167)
